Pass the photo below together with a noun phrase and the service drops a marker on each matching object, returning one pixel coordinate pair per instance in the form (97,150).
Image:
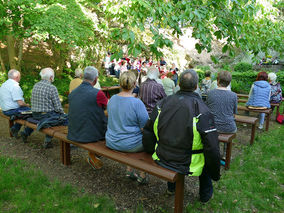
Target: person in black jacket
(181,135)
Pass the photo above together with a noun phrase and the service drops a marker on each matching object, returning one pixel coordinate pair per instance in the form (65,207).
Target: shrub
(242,67)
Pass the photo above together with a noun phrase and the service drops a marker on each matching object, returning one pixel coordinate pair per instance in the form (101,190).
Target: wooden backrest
(226,138)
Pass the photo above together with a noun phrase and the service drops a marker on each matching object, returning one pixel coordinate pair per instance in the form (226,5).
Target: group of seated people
(179,129)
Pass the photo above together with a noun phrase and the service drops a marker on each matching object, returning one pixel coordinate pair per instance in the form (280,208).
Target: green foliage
(201,74)
(242,67)
(24,189)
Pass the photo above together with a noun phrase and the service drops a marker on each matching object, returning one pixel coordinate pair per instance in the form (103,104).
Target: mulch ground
(110,180)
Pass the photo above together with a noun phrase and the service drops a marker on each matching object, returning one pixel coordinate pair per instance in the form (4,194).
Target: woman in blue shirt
(127,116)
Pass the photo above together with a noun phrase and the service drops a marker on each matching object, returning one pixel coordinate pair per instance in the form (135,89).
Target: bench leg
(253,127)
(267,122)
(179,194)
(65,153)
(228,155)
(277,111)
(11,123)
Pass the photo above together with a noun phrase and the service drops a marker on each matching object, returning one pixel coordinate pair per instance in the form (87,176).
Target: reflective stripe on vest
(197,160)
(155,128)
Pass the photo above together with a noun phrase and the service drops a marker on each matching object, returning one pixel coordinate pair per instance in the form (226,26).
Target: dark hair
(188,80)
(170,74)
(207,74)
(262,76)
(224,78)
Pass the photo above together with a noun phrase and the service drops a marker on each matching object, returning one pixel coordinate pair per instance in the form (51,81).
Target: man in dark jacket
(182,136)
(87,121)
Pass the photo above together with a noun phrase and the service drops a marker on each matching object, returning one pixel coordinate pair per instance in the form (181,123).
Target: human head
(78,73)
(188,80)
(15,75)
(91,74)
(224,78)
(127,80)
(153,73)
(47,74)
(272,77)
(262,76)
(135,72)
(207,74)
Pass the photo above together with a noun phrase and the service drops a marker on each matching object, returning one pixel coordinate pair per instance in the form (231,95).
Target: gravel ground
(110,180)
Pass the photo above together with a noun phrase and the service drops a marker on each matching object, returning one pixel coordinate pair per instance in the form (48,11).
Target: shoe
(131,175)
(222,162)
(260,126)
(97,164)
(47,145)
(204,201)
(24,137)
(141,180)
(14,133)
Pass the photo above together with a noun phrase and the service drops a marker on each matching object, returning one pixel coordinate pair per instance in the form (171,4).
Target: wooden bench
(227,139)
(266,111)
(106,90)
(141,161)
(248,120)
(243,98)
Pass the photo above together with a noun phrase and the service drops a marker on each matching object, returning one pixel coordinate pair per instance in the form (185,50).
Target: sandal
(142,180)
(131,175)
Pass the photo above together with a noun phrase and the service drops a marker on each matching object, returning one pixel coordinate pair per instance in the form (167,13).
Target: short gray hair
(153,73)
(12,74)
(78,72)
(90,73)
(46,73)
(188,80)
(272,77)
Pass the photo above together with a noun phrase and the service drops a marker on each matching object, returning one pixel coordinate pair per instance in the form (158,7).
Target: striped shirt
(45,98)
(150,93)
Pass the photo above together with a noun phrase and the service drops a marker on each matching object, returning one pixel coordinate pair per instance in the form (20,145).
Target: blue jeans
(261,118)
(27,131)
(38,116)
(205,186)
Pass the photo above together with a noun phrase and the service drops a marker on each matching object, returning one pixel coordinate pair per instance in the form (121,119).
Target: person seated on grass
(151,91)
(259,96)
(182,137)
(223,104)
(276,91)
(12,102)
(87,120)
(45,101)
(169,84)
(77,80)
(127,116)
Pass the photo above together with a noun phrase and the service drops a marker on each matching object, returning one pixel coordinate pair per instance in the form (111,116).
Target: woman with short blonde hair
(127,117)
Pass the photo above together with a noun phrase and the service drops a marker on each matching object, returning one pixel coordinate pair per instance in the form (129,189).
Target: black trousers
(205,186)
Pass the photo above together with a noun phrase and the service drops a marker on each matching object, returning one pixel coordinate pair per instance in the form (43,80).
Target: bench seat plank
(248,120)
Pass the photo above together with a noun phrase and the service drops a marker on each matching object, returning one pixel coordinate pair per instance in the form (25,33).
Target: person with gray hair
(151,91)
(45,101)
(181,136)
(89,123)
(12,101)
(76,81)
(276,91)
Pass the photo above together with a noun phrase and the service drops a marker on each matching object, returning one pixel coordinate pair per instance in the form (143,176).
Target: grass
(255,180)
(24,189)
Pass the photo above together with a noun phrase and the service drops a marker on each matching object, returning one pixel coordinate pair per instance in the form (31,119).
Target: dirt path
(110,180)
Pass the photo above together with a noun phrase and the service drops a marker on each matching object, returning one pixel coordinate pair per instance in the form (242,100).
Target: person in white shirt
(12,102)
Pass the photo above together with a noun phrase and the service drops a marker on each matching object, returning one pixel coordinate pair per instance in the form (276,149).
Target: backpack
(280,119)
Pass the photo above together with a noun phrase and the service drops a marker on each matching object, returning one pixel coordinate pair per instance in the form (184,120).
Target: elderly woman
(276,91)
(127,116)
(259,96)
(223,104)
(169,84)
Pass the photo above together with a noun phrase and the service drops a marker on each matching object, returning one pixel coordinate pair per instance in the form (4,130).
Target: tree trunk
(11,52)
(3,68)
(20,54)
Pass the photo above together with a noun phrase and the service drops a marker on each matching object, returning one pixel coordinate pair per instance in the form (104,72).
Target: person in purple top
(151,91)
